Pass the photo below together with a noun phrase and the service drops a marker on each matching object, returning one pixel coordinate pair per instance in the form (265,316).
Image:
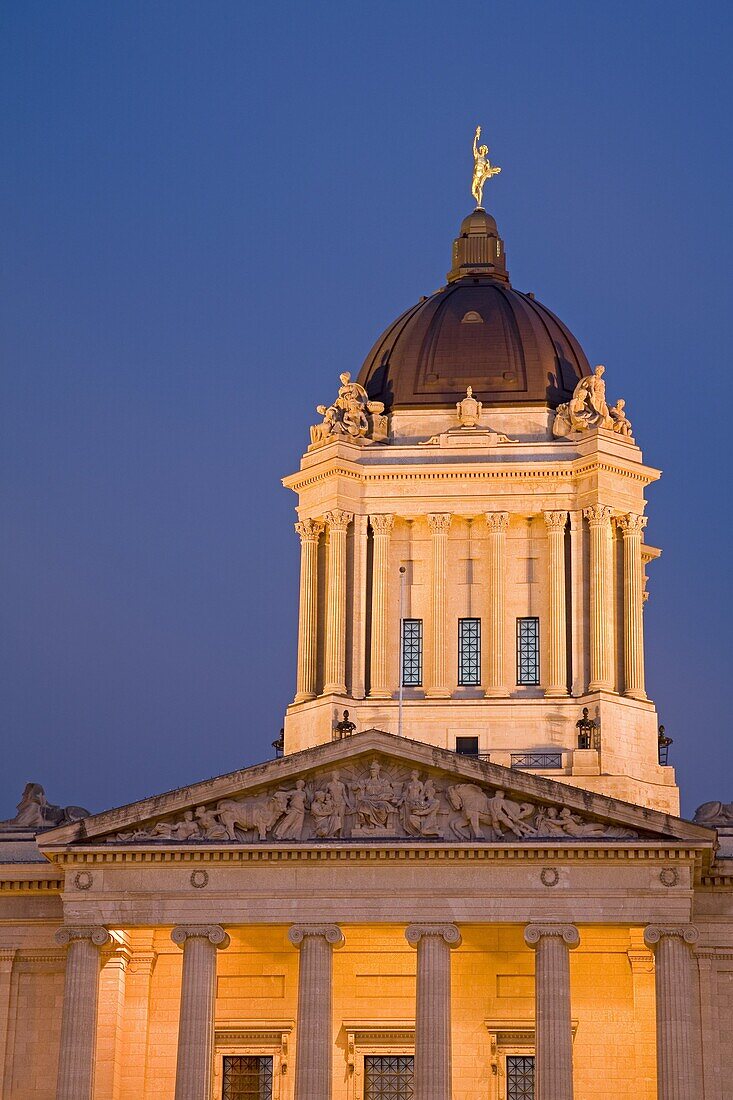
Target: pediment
(374,787)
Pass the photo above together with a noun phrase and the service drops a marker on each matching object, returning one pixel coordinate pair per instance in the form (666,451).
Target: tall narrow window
(469,652)
(412,652)
(520,1077)
(248,1077)
(528,651)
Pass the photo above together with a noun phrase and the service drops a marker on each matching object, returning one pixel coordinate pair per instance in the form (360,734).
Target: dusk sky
(208,211)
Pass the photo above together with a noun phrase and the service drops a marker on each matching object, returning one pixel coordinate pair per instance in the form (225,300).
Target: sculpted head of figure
(345,378)
(599,371)
(300,784)
(374,770)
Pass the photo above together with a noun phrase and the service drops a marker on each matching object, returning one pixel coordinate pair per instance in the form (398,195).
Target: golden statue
(483,170)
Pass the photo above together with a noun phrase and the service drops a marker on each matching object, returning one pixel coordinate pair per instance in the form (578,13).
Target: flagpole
(402,643)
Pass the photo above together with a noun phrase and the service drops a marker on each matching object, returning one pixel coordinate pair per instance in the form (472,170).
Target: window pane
(389,1077)
(469,652)
(412,652)
(519,1077)
(528,651)
(248,1077)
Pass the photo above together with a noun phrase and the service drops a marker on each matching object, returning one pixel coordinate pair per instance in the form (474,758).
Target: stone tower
(471,517)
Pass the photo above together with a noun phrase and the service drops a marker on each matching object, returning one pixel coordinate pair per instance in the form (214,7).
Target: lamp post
(587,729)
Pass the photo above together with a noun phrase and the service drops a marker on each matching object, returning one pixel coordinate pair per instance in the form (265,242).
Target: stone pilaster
(677,1025)
(111,1021)
(382,528)
(496,687)
(557,671)
(138,983)
(310,531)
(79,1017)
(632,527)
(438,686)
(359,609)
(578,604)
(7,957)
(433,1055)
(194,1063)
(314,1037)
(552,944)
(335,662)
(601,618)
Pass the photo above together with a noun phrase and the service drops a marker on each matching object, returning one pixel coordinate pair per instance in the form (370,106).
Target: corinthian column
(79,1017)
(310,531)
(601,672)
(382,528)
(495,680)
(632,527)
(433,1064)
(552,944)
(194,1064)
(314,1034)
(438,687)
(558,663)
(676,1070)
(335,663)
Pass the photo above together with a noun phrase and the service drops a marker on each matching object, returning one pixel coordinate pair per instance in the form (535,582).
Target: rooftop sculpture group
(375,802)
(34,811)
(352,416)
(587,409)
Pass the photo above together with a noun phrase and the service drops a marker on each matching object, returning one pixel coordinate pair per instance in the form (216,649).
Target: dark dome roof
(476,331)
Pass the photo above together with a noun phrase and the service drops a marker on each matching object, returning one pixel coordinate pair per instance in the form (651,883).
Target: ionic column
(194,1063)
(438,686)
(335,662)
(557,684)
(676,1062)
(601,671)
(382,528)
(433,1057)
(314,1036)
(552,944)
(79,1017)
(310,531)
(632,527)
(498,523)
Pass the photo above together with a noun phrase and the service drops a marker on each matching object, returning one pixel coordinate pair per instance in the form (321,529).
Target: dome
(475,331)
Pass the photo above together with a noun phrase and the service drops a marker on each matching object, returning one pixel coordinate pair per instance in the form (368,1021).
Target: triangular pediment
(373,787)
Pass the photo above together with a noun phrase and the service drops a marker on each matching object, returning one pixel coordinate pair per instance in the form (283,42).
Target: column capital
(654,933)
(331,933)
(448,932)
(98,935)
(631,524)
(310,530)
(214,933)
(556,521)
(439,522)
(497,521)
(338,520)
(382,525)
(598,515)
(568,933)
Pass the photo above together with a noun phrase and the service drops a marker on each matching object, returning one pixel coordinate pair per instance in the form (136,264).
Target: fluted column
(79,1017)
(335,662)
(552,944)
(194,1063)
(382,528)
(601,671)
(438,687)
(632,527)
(433,1058)
(314,1035)
(310,531)
(557,682)
(496,686)
(676,1062)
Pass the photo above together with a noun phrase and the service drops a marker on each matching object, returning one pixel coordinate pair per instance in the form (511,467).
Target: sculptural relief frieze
(374,801)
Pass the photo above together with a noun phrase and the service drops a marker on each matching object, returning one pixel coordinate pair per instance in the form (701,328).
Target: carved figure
(290,827)
(412,797)
(247,815)
(469,410)
(586,409)
(621,422)
(374,799)
(211,827)
(327,822)
(349,415)
(36,812)
(483,170)
(715,815)
(424,819)
(339,797)
(548,823)
(478,809)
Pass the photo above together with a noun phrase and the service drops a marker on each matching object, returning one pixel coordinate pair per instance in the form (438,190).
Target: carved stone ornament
(469,410)
(34,811)
(99,936)
(214,933)
(568,933)
(331,933)
(83,880)
(549,876)
(448,932)
(371,801)
(352,416)
(587,409)
(715,815)
(653,933)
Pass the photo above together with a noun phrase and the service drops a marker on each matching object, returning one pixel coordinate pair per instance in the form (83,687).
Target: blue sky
(208,212)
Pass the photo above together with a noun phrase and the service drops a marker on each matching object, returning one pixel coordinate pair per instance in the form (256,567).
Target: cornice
(31,886)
